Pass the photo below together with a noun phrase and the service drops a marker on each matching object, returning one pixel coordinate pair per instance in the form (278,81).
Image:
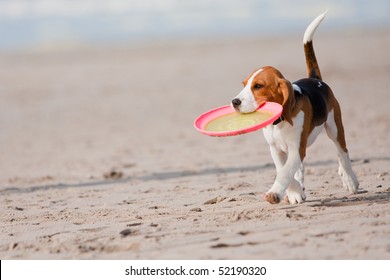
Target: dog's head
(265,84)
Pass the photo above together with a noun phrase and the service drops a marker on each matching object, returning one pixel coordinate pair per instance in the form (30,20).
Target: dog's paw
(295,195)
(271,197)
(350,182)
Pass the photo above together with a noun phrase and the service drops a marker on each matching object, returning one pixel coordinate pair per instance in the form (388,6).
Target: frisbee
(225,121)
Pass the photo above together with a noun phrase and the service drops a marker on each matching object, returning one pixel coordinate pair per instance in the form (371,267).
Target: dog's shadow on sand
(363,197)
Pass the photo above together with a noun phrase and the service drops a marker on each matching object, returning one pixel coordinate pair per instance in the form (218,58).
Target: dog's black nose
(236,102)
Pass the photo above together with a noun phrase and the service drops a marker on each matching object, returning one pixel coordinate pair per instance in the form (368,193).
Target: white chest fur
(283,136)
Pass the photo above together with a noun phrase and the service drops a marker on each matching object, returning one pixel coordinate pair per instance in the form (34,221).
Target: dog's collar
(280,119)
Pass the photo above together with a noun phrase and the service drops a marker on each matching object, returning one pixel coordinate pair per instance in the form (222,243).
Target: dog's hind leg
(335,130)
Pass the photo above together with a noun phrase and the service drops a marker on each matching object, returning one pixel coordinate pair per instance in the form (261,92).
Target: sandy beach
(99,158)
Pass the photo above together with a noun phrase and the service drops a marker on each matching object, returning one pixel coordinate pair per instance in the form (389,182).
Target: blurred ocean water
(57,23)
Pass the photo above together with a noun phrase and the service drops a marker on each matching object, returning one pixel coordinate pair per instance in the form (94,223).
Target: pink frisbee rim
(201,122)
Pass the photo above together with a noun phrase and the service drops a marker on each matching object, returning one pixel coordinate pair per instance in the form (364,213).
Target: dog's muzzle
(236,103)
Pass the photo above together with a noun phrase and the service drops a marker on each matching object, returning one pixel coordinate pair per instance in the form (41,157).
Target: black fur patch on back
(317,92)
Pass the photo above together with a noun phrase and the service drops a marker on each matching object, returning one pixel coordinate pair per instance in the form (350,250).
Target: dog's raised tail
(313,71)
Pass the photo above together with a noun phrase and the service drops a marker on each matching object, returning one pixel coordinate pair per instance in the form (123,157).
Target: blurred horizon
(26,24)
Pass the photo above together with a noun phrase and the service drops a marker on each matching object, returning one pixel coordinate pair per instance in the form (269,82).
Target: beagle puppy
(309,105)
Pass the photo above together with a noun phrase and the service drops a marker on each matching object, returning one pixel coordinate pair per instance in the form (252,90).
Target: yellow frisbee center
(236,121)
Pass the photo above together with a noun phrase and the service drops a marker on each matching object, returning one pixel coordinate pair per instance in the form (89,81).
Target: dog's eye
(258,86)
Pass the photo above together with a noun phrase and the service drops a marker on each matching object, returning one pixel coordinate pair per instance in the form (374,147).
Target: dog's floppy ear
(285,89)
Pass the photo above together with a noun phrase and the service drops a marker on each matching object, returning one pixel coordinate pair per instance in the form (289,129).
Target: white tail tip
(313,27)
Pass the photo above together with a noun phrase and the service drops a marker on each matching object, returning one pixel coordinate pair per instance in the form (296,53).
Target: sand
(99,158)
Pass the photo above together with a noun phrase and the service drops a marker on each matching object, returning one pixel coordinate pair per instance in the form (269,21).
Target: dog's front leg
(284,177)
(279,157)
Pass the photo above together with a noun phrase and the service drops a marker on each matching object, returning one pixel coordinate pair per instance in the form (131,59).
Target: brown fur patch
(272,198)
